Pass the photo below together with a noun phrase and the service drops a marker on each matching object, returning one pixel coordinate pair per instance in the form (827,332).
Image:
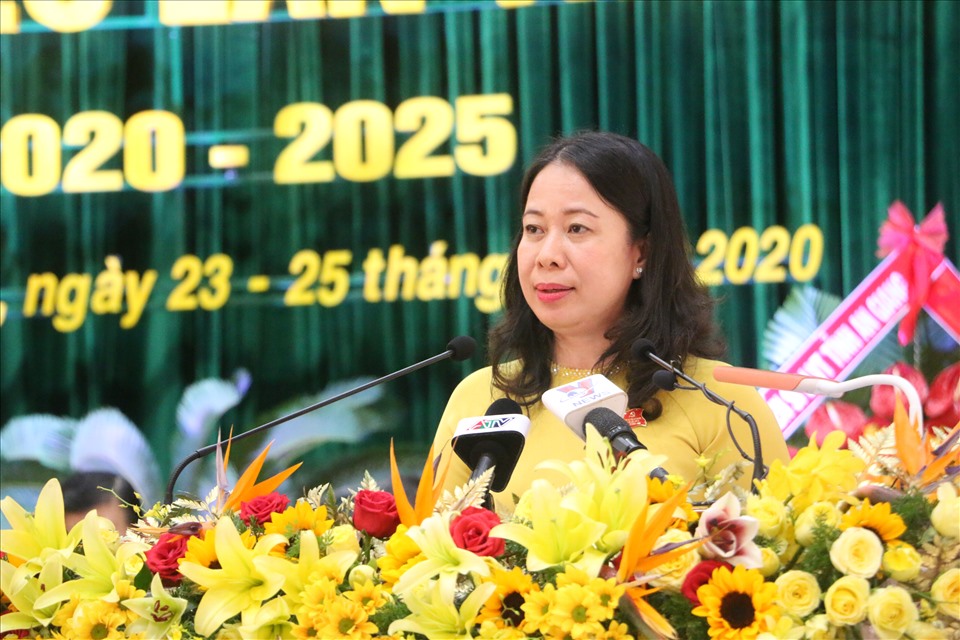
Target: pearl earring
(639,272)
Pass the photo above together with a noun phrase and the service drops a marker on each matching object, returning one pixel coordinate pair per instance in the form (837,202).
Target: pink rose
(164,557)
(375,513)
(730,534)
(261,508)
(882,397)
(471,531)
(836,415)
(699,576)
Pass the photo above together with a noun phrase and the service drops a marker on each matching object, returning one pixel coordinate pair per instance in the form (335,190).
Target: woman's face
(576,261)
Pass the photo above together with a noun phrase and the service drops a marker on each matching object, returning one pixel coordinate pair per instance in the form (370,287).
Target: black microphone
(622,438)
(493,441)
(667,380)
(460,348)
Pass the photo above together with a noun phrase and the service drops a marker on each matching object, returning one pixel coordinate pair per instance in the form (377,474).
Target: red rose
(471,531)
(375,513)
(836,415)
(163,558)
(261,508)
(882,396)
(943,405)
(699,576)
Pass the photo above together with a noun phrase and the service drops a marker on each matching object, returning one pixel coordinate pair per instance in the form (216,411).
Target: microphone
(493,441)
(572,402)
(821,386)
(622,438)
(460,348)
(643,348)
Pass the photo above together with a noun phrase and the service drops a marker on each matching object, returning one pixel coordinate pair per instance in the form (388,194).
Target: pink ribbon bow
(924,245)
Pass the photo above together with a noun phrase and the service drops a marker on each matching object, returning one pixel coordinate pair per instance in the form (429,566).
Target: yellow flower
(35,536)
(671,574)
(798,593)
(817,513)
(769,512)
(511,589)
(434,613)
(659,491)
(901,561)
(786,629)
(97,619)
(605,491)
(347,619)
(815,474)
(240,585)
(400,553)
(946,514)
(891,611)
(299,517)
(555,535)
(158,613)
(23,587)
(926,631)
(877,518)
(946,591)
(818,627)
(857,552)
(846,601)
(443,558)
(771,562)
(738,604)
(342,537)
(537,606)
(577,611)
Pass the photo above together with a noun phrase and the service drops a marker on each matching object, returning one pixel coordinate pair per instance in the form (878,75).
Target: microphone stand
(459,348)
(759,470)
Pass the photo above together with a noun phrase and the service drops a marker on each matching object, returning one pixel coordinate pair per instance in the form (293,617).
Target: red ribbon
(923,244)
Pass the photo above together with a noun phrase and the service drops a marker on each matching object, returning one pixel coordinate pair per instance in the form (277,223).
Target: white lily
(35,536)
(23,587)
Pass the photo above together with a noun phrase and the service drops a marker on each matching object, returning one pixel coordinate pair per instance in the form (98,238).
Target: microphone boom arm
(458,351)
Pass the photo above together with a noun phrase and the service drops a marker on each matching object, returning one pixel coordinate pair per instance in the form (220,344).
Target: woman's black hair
(86,490)
(667,305)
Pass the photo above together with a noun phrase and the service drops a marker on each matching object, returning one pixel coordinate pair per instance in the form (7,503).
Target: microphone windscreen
(462,347)
(504,407)
(606,422)
(665,380)
(641,348)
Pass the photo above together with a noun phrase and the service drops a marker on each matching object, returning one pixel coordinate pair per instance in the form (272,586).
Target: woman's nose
(551,253)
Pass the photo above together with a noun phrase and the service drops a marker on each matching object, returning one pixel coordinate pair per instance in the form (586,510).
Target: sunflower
(737,604)
(503,607)
(875,517)
(299,517)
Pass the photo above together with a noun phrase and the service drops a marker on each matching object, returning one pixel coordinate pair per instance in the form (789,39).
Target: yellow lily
(606,491)
(34,537)
(23,587)
(241,584)
(296,576)
(555,535)
(159,612)
(443,557)
(99,568)
(434,614)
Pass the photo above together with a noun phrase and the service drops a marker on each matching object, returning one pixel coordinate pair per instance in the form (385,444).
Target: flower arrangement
(838,543)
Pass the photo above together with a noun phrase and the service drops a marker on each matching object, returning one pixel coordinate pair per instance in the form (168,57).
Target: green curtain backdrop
(766,113)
